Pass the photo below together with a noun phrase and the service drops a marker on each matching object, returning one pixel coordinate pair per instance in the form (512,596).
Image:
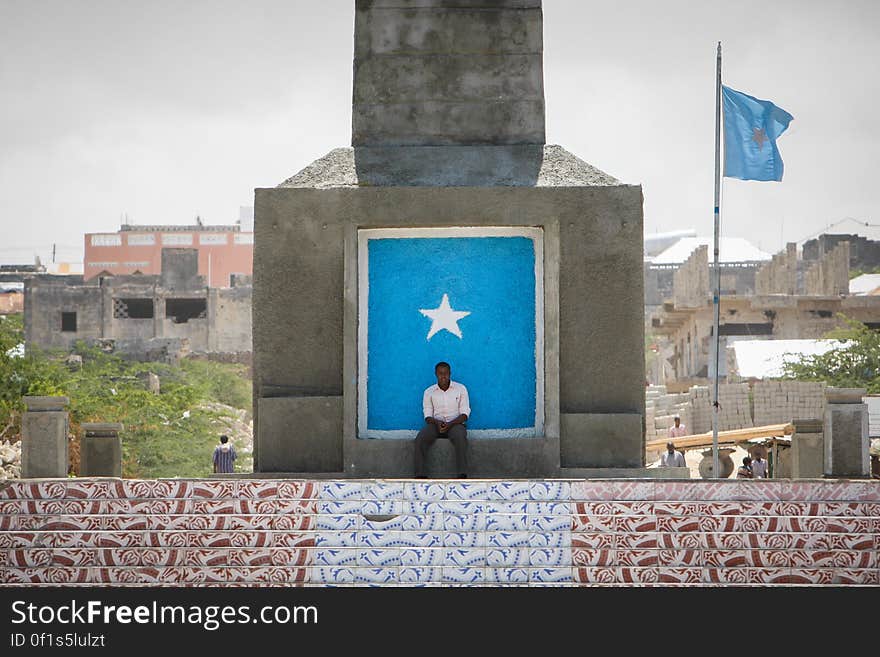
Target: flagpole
(716,297)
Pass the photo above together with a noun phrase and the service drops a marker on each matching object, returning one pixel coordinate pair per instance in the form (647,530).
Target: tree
(854,363)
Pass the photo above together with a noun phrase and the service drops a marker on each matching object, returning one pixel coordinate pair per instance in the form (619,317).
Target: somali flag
(472,297)
(751,128)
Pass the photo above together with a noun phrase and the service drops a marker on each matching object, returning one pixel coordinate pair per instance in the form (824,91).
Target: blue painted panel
(493,279)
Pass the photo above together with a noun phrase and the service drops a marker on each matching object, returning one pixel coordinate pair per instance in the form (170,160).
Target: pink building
(223,250)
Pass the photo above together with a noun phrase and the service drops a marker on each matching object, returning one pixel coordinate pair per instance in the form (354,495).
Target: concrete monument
(450,231)
(44,448)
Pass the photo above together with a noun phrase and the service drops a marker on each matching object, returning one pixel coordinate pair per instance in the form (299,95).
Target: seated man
(446,408)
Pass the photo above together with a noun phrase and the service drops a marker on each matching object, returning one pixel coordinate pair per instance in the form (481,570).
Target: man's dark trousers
(457,433)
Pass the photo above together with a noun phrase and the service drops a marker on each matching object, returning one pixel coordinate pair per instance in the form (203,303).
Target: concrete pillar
(44,449)
(808,449)
(846,433)
(101,450)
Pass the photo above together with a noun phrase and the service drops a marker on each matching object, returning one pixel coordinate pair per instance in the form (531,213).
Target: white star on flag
(444,318)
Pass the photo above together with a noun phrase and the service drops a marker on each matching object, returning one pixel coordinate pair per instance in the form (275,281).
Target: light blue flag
(469,301)
(751,127)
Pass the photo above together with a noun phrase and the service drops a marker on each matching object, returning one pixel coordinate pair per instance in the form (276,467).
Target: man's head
(670,447)
(677,420)
(747,461)
(224,439)
(443,373)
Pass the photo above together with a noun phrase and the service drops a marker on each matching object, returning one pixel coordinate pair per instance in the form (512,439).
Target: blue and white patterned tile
(507,557)
(550,490)
(422,557)
(419,539)
(393,524)
(464,557)
(471,523)
(332,575)
(560,539)
(334,557)
(383,490)
(424,492)
(432,522)
(375,575)
(549,509)
(464,575)
(336,539)
(420,575)
(549,523)
(382,558)
(503,522)
(466,491)
(341,490)
(332,508)
(338,522)
(506,575)
(550,575)
(464,539)
(420,508)
(381,507)
(509,490)
(549,557)
(498,506)
(507,539)
(379,539)
(458,508)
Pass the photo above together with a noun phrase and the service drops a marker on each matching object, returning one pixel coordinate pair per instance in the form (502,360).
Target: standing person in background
(678,429)
(759,467)
(224,456)
(671,458)
(745,470)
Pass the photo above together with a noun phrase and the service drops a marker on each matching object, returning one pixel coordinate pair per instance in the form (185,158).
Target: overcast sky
(164,109)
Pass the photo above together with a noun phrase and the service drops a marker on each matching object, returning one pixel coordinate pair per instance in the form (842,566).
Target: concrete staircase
(225,532)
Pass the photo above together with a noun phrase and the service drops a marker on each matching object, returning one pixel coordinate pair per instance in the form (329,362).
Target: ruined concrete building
(145,317)
(793,299)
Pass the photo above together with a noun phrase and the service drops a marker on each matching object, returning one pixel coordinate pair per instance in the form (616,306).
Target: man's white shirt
(446,405)
(675,460)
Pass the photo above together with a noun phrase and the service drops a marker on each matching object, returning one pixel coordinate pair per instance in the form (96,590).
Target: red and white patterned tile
(833,558)
(679,558)
(683,541)
(726,558)
(768,575)
(852,525)
(591,557)
(597,575)
(593,540)
(213,489)
(637,541)
(614,508)
(761,541)
(269,557)
(591,524)
(725,541)
(677,524)
(636,558)
(678,508)
(680,575)
(612,490)
(639,575)
(635,524)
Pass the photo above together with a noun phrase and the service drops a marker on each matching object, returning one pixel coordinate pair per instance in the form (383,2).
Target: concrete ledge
(300,434)
(45,403)
(602,440)
(625,473)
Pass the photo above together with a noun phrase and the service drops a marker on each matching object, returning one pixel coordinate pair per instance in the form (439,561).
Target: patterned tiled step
(726,524)
(692,575)
(660,508)
(727,558)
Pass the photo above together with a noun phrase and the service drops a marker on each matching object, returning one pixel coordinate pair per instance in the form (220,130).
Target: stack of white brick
(783,401)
